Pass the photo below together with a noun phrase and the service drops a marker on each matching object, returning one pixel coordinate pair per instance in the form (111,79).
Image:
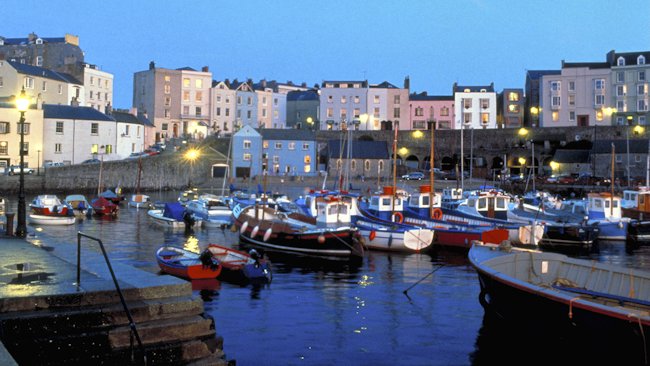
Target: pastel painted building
(629,85)
(223,98)
(475,106)
(425,110)
(136,132)
(98,88)
(176,101)
(532,90)
(245,105)
(510,108)
(45,85)
(302,108)
(579,96)
(246,153)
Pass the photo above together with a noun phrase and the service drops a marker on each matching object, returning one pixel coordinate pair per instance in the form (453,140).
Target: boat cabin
(386,201)
(492,204)
(603,206)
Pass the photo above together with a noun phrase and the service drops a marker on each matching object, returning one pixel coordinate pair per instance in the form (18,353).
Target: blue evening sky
(436,43)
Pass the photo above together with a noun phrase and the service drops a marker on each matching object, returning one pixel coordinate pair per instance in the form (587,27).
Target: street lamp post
(22,103)
(462,158)
(471,154)
(630,119)
(38,162)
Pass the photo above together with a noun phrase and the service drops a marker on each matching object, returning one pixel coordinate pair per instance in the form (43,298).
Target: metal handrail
(134,330)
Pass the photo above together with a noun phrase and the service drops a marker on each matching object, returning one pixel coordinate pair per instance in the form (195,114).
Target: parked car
(413,176)
(91,161)
(137,155)
(161,146)
(567,179)
(51,164)
(452,175)
(15,169)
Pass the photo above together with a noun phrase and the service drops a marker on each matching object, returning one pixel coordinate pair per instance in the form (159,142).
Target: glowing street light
(22,104)
(190,156)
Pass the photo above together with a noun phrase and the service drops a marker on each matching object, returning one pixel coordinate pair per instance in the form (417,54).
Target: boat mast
(137,187)
(431,172)
(226,174)
(392,205)
(611,198)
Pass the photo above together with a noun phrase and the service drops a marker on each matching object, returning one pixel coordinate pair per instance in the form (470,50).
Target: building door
(583,120)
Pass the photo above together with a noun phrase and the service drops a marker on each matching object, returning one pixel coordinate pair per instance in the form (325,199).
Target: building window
(485,103)
(278,145)
(642,120)
(330,99)
(60,89)
(396,112)
(642,89)
(513,108)
(186,110)
(620,121)
(640,60)
(467,103)
(467,118)
(239,100)
(249,114)
(218,111)
(58,148)
(366,165)
(263,113)
(375,113)
(419,112)
(168,78)
(249,101)
(419,124)
(227,114)
(167,113)
(165,126)
(621,106)
(198,83)
(620,77)
(353,165)
(186,95)
(642,105)
(572,86)
(29,83)
(2,83)
(186,82)
(4,148)
(292,145)
(59,128)
(198,111)
(127,130)
(344,99)
(620,90)
(305,145)
(599,84)
(276,159)
(247,157)
(620,61)
(247,144)
(485,118)
(376,99)
(4,127)
(39,60)
(555,101)
(599,99)
(44,86)
(356,99)
(307,159)
(572,100)
(555,115)
(641,77)
(380,165)
(168,89)
(513,96)
(556,85)
(396,99)
(572,116)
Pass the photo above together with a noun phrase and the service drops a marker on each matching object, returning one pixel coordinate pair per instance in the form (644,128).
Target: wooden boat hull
(185,264)
(638,233)
(52,219)
(380,236)
(599,301)
(464,238)
(300,239)
(240,267)
(570,236)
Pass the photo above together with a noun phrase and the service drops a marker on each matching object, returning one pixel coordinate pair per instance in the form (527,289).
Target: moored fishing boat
(173,216)
(294,232)
(48,209)
(103,207)
(603,305)
(211,210)
(79,204)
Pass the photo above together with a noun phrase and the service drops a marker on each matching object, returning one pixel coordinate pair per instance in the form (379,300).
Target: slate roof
(637,146)
(186,68)
(277,134)
(424,96)
(25,40)
(71,112)
(361,149)
(537,74)
(474,89)
(590,65)
(571,156)
(43,72)
(384,85)
(302,95)
(630,57)
(127,117)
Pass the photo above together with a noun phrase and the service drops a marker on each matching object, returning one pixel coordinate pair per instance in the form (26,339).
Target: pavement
(34,276)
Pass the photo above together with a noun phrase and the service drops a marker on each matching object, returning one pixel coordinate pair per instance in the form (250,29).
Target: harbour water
(388,309)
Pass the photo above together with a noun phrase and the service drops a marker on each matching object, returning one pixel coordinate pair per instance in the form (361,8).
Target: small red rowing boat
(187,264)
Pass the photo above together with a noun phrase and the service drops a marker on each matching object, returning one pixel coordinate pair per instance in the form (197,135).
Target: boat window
(413,201)
(425,200)
(501,202)
(482,203)
(615,203)
(599,204)
(331,210)
(308,201)
(374,201)
(343,209)
(471,202)
(385,201)
(641,199)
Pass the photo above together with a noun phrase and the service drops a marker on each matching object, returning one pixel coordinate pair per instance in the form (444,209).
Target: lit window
(186,82)
(555,115)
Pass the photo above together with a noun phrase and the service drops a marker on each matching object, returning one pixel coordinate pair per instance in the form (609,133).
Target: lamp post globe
(22,104)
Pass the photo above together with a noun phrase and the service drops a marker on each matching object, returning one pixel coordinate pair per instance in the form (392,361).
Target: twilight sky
(436,43)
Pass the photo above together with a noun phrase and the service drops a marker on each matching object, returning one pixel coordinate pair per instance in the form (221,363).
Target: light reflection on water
(320,312)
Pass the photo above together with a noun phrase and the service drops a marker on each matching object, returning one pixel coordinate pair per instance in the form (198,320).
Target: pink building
(425,109)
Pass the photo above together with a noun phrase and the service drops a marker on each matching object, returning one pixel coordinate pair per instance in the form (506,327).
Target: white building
(98,88)
(46,86)
(223,107)
(475,106)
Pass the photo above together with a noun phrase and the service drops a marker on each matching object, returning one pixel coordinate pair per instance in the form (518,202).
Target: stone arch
(412,162)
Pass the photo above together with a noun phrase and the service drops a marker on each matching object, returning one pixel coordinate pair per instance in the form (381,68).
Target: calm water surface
(318,312)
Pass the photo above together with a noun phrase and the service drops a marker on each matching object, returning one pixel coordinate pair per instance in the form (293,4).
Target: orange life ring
(437,214)
(398,217)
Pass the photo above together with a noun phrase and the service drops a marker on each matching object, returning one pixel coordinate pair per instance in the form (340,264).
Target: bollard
(10,223)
